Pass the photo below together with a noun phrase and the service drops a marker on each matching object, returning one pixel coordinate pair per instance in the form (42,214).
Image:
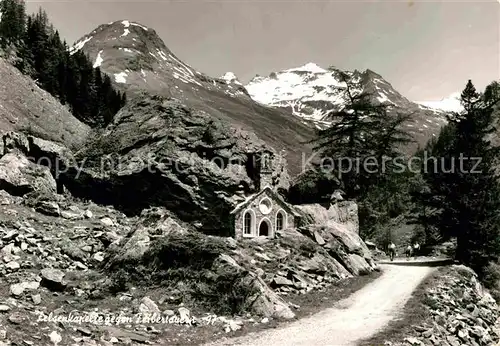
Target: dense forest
(452,192)
(36,49)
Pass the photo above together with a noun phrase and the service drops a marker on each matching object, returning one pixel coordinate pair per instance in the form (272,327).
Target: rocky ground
(77,273)
(52,264)
(453,309)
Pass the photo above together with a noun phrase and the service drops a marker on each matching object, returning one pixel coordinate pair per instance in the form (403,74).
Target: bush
(490,277)
(194,250)
(189,263)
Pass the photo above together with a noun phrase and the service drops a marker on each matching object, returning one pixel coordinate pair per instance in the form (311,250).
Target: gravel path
(351,320)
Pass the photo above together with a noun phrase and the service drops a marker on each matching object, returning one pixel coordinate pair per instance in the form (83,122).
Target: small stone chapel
(265,212)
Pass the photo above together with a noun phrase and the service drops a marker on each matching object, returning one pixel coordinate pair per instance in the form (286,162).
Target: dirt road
(353,319)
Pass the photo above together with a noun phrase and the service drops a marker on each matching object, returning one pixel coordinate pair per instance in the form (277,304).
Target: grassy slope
(26,107)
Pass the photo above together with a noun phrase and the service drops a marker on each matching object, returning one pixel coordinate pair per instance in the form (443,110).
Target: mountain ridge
(312,93)
(140,62)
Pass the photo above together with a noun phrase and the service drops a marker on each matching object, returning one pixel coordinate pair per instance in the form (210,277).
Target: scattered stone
(71,216)
(88,214)
(53,279)
(37,299)
(148,306)
(13,265)
(462,313)
(282,281)
(80,265)
(169,312)
(48,208)
(184,314)
(106,221)
(84,331)
(98,256)
(17,289)
(55,338)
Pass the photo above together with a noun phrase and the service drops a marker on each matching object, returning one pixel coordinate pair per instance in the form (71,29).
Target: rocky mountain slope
(312,92)
(26,107)
(140,62)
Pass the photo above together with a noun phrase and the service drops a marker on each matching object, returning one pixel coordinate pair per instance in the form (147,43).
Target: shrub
(490,277)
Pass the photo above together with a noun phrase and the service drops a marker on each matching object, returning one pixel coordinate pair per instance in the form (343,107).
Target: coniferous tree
(41,54)
(12,24)
(361,130)
(463,188)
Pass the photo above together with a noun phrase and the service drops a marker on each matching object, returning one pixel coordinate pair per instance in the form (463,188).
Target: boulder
(48,208)
(19,176)
(265,302)
(154,223)
(148,306)
(53,279)
(343,245)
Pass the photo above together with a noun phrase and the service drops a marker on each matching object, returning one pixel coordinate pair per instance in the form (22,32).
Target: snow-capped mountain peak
(136,57)
(313,93)
(447,104)
(309,67)
(230,77)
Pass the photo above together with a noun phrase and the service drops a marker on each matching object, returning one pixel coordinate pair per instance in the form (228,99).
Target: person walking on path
(392,251)
(408,251)
(416,249)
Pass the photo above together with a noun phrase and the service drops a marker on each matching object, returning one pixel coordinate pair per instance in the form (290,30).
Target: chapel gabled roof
(273,194)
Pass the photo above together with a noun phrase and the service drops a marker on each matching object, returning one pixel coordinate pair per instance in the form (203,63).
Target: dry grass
(27,108)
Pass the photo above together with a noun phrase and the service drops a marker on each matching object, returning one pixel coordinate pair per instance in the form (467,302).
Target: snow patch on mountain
(140,26)
(447,104)
(98,60)
(121,77)
(309,67)
(79,45)
(230,77)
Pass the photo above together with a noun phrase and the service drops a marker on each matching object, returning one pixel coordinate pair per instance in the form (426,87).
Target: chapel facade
(265,212)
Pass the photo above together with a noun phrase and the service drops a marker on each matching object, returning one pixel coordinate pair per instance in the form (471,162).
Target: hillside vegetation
(32,44)
(451,191)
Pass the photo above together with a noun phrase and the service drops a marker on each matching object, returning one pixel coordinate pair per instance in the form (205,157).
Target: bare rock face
(344,212)
(342,244)
(158,152)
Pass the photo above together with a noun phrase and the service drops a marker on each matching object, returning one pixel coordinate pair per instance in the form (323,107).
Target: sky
(427,50)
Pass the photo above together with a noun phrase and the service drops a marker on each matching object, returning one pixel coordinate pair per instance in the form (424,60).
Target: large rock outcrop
(235,277)
(158,152)
(344,212)
(343,245)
